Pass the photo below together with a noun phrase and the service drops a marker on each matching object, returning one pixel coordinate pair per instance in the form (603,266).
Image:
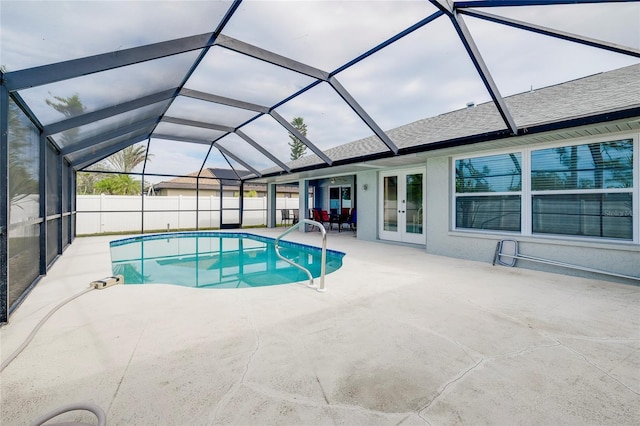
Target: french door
(402,216)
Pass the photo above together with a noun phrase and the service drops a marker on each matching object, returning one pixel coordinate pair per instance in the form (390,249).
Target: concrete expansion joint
(443,389)
(483,360)
(608,339)
(594,365)
(306,401)
(233,388)
(126,369)
(524,351)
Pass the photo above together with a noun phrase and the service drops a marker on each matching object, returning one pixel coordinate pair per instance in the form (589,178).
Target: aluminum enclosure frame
(71,159)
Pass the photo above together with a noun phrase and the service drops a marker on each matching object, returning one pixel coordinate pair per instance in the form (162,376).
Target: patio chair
(296,216)
(325,217)
(343,218)
(285,216)
(353,220)
(322,216)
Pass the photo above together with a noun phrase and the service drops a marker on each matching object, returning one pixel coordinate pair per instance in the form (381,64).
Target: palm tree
(118,185)
(127,159)
(69,107)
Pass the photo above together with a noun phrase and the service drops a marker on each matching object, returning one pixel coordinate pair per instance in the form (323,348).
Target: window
(583,190)
(339,198)
(488,192)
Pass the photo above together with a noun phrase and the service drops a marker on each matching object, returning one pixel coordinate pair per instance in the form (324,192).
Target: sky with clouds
(423,74)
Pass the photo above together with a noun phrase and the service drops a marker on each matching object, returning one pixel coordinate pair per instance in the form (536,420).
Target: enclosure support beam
(284,123)
(239,160)
(139,126)
(270,57)
(346,96)
(4,203)
(91,158)
(60,165)
(271,205)
(263,151)
(303,201)
(43,204)
(193,123)
(101,114)
(241,204)
(47,74)
(508,3)
(208,97)
(73,203)
(181,139)
(70,200)
(198,200)
(474,53)
(562,35)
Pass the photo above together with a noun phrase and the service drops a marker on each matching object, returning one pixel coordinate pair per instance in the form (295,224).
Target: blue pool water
(215,260)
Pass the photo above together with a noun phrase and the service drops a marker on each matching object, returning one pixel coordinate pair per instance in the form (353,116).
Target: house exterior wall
(367,205)
(620,257)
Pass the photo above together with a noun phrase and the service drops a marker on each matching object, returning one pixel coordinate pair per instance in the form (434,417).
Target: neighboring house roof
(211,178)
(603,93)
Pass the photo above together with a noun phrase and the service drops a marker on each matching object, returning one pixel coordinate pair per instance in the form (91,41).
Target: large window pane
(501,212)
(495,173)
(592,215)
(590,166)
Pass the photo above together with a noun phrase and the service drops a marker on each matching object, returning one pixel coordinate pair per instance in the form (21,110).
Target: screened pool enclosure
(132,93)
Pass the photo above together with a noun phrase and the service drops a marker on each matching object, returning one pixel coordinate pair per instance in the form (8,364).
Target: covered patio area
(400,337)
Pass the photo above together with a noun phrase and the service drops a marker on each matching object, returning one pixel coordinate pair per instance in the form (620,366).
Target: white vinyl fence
(97,214)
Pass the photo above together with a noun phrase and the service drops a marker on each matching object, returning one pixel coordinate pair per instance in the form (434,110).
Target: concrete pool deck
(400,337)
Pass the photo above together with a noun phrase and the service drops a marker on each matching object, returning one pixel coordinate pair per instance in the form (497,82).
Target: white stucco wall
(618,257)
(367,205)
(442,239)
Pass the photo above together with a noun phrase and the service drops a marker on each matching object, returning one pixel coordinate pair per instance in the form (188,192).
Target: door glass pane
(346,197)
(390,208)
(334,200)
(414,204)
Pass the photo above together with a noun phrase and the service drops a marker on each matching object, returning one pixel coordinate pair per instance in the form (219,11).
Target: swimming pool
(215,260)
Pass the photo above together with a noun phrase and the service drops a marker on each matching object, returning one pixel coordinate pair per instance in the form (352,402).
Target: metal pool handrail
(324,251)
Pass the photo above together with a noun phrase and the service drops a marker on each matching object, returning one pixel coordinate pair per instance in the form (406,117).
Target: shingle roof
(212,180)
(596,94)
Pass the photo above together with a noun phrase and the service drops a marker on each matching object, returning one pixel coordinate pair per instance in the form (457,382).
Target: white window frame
(527,193)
